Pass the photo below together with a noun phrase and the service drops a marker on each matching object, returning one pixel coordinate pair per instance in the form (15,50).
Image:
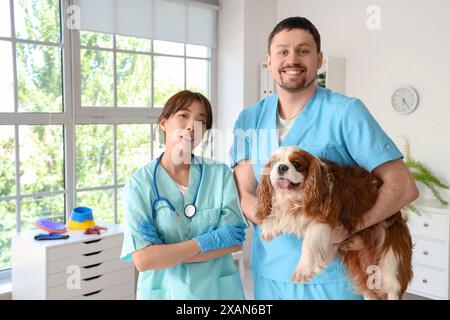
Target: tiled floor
(247,281)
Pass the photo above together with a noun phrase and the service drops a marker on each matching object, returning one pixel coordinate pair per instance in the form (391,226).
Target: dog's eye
(297,165)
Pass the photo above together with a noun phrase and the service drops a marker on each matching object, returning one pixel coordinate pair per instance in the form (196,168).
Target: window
(74,130)
(32,181)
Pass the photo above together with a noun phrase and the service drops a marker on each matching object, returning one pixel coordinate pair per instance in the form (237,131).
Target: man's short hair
(295,23)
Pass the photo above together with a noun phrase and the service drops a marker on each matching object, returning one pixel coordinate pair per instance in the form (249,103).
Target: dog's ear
(316,190)
(264,194)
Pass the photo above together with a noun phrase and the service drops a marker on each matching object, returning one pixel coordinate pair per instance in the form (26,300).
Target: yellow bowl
(74,225)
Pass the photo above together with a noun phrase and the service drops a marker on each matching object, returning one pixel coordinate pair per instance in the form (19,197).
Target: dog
(314,198)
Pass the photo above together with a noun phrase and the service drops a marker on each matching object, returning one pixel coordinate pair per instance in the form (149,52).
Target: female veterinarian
(182,213)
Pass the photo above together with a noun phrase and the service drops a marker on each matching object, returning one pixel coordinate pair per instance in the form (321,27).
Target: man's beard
(296,87)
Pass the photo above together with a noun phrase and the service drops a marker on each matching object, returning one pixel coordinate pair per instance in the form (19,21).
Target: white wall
(412,47)
(230,91)
(259,20)
(244,26)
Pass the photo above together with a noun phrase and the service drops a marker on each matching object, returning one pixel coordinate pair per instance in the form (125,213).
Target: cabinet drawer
(90,285)
(89,271)
(84,247)
(430,282)
(124,291)
(83,260)
(428,224)
(430,253)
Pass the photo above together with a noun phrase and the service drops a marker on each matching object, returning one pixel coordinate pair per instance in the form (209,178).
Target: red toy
(95,230)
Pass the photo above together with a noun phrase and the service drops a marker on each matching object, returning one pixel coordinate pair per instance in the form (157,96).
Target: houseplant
(424,176)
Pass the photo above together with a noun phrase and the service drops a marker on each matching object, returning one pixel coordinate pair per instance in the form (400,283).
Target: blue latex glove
(223,237)
(149,233)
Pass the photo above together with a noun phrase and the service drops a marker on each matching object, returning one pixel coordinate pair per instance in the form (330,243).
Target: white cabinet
(81,267)
(332,74)
(267,84)
(430,235)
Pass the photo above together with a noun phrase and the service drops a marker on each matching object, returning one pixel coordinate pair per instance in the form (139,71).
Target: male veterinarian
(326,124)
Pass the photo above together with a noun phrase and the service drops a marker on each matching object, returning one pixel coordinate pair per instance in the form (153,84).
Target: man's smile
(293,71)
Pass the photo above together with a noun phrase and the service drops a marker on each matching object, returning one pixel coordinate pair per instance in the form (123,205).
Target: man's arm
(398,190)
(246,185)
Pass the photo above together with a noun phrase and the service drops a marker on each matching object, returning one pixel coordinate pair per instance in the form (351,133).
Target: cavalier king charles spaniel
(315,198)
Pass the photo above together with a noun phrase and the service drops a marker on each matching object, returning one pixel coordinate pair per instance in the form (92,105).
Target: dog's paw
(266,236)
(302,275)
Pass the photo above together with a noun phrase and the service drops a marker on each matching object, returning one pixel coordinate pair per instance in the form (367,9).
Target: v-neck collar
(170,190)
(297,128)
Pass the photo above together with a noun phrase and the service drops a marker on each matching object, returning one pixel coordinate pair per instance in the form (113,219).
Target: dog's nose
(282,168)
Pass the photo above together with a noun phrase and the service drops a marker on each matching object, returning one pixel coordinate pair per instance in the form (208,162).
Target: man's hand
(340,233)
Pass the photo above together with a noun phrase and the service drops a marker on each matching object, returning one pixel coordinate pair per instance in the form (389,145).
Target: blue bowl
(81,214)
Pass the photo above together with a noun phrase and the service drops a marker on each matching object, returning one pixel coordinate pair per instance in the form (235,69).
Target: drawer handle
(424,280)
(92,278)
(92,293)
(92,241)
(425,252)
(426,224)
(92,266)
(92,253)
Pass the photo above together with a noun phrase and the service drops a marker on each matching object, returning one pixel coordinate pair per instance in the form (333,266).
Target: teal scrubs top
(217,205)
(331,126)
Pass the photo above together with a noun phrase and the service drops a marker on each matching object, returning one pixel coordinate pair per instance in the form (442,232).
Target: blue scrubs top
(331,126)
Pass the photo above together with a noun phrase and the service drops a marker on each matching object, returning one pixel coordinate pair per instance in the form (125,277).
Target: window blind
(169,20)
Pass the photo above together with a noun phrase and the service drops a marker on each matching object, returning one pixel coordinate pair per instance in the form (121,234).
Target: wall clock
(405,99)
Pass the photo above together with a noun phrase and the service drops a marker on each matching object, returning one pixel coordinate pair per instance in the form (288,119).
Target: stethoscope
(190,209)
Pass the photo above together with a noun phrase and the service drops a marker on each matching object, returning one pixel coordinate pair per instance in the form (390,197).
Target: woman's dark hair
(296,23)
(183,100)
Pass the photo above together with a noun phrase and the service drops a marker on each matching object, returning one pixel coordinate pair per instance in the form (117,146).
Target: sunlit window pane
(48,207)
(119,206)
(37,20)
(7,162)
(169,78)
(39,78)
(41,158)
(167,47)
(197,75)
(5,21)
(94,162)
(132,43)
(7,229)
(133,80)
(133,149)
(97,78)
(6,77)
(96,39)
(158,141)
(100,201)
(197,51)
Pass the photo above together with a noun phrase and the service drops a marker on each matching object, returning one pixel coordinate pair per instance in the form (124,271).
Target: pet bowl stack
(81,219)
